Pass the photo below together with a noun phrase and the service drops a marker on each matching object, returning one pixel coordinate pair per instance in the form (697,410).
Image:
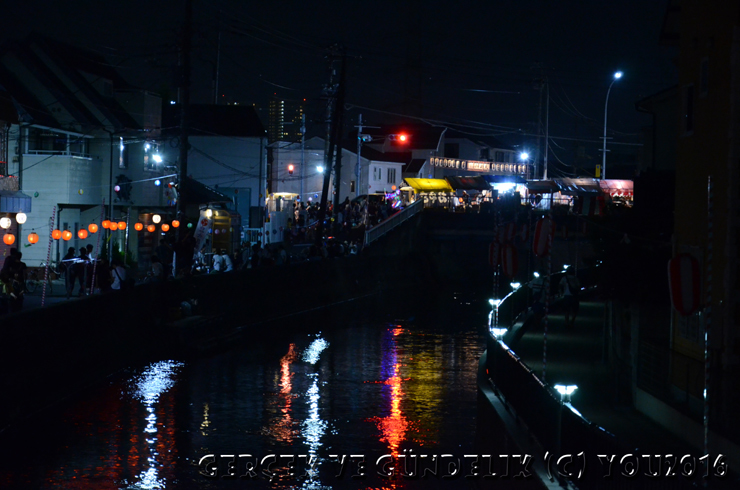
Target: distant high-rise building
(284,120)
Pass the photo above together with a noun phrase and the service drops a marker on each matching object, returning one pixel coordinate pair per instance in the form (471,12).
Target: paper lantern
(33,238)
(151,228)
(9,239)
(105,224)
(543,234)
(113,226)
(175,223)
(156,218)
(684,283)
(5,223)
(509,260)
(121,225)
(56,234)
(165,227)
(82,234)
(21,218)
(138,227)
(92,228)
(66,235)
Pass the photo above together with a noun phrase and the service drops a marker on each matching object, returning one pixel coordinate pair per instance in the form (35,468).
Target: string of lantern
(92,228)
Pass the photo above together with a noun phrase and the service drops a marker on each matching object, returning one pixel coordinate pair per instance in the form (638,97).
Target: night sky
(467,65)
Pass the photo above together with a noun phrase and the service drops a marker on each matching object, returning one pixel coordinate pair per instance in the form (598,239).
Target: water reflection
(149,386)
(313,427)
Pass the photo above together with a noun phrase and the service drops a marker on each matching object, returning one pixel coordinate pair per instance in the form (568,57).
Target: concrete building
(72,139)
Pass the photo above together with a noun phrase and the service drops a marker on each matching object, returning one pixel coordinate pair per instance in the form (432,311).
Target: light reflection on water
(369,390)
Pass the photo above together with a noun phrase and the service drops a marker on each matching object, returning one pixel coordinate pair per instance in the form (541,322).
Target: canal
(342,394)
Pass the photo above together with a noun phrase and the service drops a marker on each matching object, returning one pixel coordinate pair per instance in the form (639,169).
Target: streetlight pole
(617,76)
(565,392)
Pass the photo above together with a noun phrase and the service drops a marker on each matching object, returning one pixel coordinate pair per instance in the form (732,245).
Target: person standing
(70,277)
(570,287)
(227,264)
(118,275)
(81,271)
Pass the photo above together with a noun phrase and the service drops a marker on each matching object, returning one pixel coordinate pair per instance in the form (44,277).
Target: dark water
(349,387)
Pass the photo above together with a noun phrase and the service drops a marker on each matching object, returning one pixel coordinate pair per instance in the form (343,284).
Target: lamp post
(565,392)
(617,76)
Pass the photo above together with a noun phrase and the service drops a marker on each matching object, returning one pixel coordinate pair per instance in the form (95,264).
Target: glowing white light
(504,186)
(320,169)
(121,146)
(313,351)
(172,102)
(536,274)
(209,213)
(146,147)
(5,223)
(20,218)
(523,155)
(565,266)
(618,75)
(157,182)
(157,158)
(156,218)
(494,302)
(499,332)
(515,285)
(566,390)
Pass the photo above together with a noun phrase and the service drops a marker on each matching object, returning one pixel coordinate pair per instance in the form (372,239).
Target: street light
(565,392)
(617,76)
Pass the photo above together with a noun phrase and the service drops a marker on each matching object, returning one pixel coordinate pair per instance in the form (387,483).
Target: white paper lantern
(5,223)
(156,218)
(20,218)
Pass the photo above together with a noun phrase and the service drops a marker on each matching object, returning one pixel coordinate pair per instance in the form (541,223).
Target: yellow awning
(430,185)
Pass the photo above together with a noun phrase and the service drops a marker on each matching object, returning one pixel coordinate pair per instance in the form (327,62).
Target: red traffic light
(290,169)
(401,138)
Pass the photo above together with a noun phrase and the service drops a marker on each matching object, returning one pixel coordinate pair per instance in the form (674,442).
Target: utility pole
(218,61)
(184,103)
(303,152)
(338,129)
(332,90)
(361,138)
(547,127)
(359,149)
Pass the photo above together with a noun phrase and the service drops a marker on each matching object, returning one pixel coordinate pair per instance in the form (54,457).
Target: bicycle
(33,281)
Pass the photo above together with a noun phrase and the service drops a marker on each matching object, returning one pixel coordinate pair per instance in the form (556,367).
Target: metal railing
(388,224)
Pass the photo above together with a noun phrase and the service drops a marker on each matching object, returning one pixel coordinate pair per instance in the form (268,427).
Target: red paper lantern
(684,283)
(33,237)
(82,234)
(105,223)
(66,235)
(165,227)
(175,223)
(138,227)
(151,228)
(121,225)
(9,239)
(112,226)
(509,260)
(543,235)
(56,234)
(93,228)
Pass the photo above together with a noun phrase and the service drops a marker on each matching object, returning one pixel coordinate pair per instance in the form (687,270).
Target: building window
(499,156)
(377,173)
(391,176)
(704,77)
(452,150)
(485,153)
(688,109)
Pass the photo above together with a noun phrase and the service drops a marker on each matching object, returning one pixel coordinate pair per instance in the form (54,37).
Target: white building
(72,139)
